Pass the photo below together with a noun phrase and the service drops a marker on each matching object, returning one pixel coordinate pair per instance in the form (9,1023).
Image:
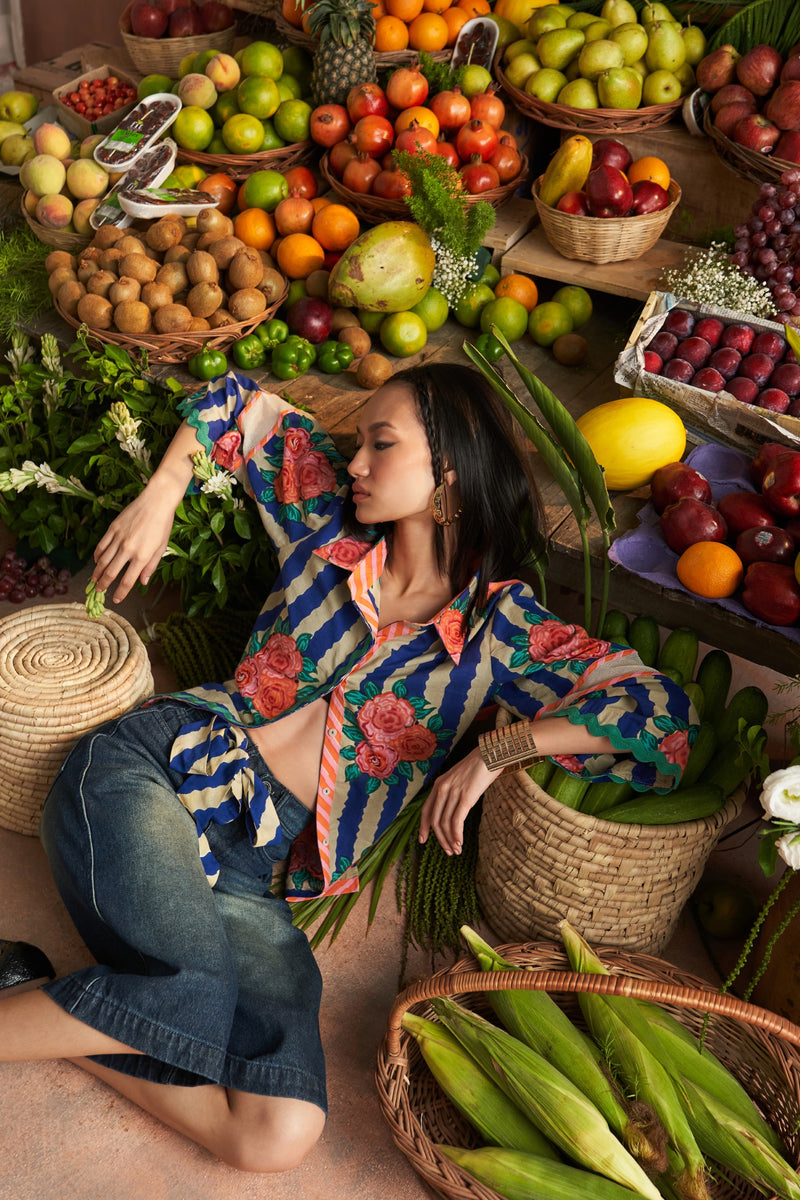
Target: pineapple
(344,57)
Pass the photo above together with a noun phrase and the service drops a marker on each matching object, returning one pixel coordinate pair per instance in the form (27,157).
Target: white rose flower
(780,795)
(788,848)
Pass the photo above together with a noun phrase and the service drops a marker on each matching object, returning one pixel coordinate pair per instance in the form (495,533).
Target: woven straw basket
(758,1047)
(621,885)
(163,56)
(749,164)
(61,673)
(59,239)
(240,166)
(603,239)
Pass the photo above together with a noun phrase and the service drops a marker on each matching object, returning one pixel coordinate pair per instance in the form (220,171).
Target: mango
(389,268)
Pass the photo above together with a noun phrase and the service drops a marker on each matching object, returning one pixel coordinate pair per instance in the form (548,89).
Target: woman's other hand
(452,796)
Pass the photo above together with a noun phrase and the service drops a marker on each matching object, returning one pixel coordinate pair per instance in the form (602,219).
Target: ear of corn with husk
(519,1176)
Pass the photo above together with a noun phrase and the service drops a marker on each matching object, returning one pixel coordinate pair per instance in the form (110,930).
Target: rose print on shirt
(270,675)
(227,451)
(392,734)
(298,474)
(550,642)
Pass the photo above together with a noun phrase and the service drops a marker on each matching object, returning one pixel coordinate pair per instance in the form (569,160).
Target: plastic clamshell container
(151,169)
(134,135)
(155,202)
(476,43)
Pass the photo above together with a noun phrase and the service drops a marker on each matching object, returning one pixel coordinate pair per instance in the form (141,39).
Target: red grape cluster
(767,245)
(20,582)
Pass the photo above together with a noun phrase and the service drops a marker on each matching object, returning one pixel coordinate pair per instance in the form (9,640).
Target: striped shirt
(399,698)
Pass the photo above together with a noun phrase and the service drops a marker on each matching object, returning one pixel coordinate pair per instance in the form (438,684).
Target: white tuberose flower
(780,796)
(788,848)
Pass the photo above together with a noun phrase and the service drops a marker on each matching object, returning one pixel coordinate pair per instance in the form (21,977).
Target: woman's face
(391,470)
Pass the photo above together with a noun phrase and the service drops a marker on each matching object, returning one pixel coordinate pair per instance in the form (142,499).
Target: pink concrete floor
(66,1136)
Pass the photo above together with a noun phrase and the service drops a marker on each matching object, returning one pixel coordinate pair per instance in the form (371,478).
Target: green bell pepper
(293,357)
(249,352)
(207,364)
(488,345)
(334,357)
(272,333)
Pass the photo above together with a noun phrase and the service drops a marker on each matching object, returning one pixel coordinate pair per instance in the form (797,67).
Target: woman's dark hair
(470,430)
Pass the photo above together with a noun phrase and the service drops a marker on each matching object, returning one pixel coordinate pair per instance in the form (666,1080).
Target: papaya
(567,170)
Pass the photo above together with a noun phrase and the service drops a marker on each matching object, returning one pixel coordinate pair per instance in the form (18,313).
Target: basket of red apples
(159,34)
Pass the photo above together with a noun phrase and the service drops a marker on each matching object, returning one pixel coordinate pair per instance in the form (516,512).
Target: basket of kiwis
(167,289)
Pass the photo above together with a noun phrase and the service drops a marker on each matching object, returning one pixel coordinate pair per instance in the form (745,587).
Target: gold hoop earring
(438,508)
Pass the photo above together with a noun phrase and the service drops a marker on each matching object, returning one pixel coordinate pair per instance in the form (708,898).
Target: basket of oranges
(403,28)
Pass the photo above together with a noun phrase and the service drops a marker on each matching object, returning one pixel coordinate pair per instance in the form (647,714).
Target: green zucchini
(749,703)
(679,653)
(714,676)
(566,788)
(725,770)
(605,794)
(697,697)
(541,772)
(615,627)
(645,637)
(652,809)
(700,755)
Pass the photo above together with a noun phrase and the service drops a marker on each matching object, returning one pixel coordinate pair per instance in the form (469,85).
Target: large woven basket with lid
(61,674)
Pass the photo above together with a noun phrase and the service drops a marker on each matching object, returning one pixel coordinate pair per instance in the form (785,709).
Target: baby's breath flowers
(711,279)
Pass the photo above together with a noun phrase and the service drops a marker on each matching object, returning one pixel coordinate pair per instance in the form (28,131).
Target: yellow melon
(631,438)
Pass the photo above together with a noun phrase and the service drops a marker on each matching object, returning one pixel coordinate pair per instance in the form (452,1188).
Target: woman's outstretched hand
(133,545)
(451,798)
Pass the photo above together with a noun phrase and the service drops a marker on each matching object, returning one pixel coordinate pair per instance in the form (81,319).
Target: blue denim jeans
(212,985)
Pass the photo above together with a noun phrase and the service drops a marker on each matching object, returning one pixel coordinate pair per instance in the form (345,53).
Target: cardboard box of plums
(731,377)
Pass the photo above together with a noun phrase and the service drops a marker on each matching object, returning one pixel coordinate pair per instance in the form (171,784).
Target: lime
(189,175)
(271,140)
(264,189)
(241,133)
(403,334)
(290,88)
(186,65)
(193,128)
(549,321)
(292,120)
(226,106)
(510,317)
(578,303)
(371,321)
(433,308)
(476,79)
(297,290)
(297,62)
(152,84)
(217,145)
(468,310)
(490,276)
(258,96)
(262,58)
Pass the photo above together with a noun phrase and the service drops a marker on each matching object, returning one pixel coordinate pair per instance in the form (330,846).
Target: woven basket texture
(61,673)
(621,885)
(59,239)
(749,164)
(588,120)
(758,1047)
(240,166)
(603,239)
(262,8)
(162,56)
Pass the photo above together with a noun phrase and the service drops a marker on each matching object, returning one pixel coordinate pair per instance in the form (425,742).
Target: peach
(52,139)
(224,72)
(54,211)
(43,174)
(87,146)
(86,179)
(197,90)
(81,213)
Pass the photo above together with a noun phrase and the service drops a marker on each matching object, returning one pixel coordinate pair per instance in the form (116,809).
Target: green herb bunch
(23,280)
(78,440)
(438,203)
(441,76)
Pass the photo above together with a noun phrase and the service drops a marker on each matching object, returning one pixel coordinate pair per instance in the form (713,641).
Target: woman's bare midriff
(292,748)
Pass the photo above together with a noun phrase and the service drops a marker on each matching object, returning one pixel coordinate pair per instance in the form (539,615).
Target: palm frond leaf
(761,22)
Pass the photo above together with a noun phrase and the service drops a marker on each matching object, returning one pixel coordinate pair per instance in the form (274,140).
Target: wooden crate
(513,221)
(43,78)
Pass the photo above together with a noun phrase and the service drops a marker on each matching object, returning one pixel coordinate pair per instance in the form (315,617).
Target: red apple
(147,20)
(608,192)
(717,68)
(648,197)
(216,16)
(575,203)
(769,543)
(770,344)
(772,593)
(780,486)
(794,408)
(758,70)
(792,527)
(710,329)
(744,510)
(676,480)
(185,22)
(783,106)
(729,115)
(612,153)
(739,336)
(732,93)
(756,133)
(787,146)
(762,461)
(791,69)
(688,521)
(743,390)
(169,6)
(774,399)
(679,321)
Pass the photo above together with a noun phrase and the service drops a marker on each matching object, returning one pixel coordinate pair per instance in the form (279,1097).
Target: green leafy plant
(23,280)
(441,76)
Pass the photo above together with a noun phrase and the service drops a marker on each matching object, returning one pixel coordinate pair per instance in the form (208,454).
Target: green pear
(581,20)
(653,11)
(640,67)
(686,78)
(520,46)
(598,29)
(618,12)
(16,149)
(556,48)
(596,57)
(665,48)
(544,19)
(18,106)
(694,41)
(579,93)
(660,87)
(572,70)
(633,39)
(620,87)
(9,127)
(519,70)
(545,84)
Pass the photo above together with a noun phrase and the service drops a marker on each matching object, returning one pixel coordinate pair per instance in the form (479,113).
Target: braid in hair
(426,413)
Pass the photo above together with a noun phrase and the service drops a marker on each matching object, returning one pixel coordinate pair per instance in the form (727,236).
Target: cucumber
(645,637)
(700,755)
(615,627)
(703,800)
(750,703)
(724,770)
(714,676)
(679,653)
(541,772)
(605,794)
(697,697)
(566,788)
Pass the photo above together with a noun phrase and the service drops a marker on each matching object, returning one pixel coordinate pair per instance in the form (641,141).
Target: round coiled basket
(61,674)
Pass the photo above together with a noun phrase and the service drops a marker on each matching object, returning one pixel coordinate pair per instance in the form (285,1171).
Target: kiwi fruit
(204,299)
(178,253)
(101,283)
(124,289)
(223,249)
(174,276)
(90,252)
(86,268)
(272,284)
(95,311)
(221,317)
(201,268)
(317,284)
(132,317)
(172,318)
(199,325)
(211,220)
(138,266)
(164,233)
(571,350)
(60,258)
(130,244)
(155,295)
(343,318)
(107,235)
(373,370)
(245,303)
(190,239)
(68,295)
(244,270)
(60,276)
(357,339)
(109,259)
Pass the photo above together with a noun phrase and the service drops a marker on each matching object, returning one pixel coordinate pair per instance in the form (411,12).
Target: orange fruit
(403,334)
(258,96)
(710,569)
(651,168)
(548,321)
(474,8)
(390,34)
(378,9)
(222,188)
(320,202)
(454,18)
(242,133)
(519,287)
(335,227)
(193,128)
(436,6)
(254,227)
(428,32)
(419,113)
(293,11)
(299,254)
(406,10)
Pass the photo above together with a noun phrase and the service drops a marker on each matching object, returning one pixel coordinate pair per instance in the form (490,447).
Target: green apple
(18,106)
(581,20)
(544,19)
(519,46)
(620,87)
(556,48)
(545,84)
(694,41)
(598,29)
(618,12)
(660,87)
(596,57)
(632,37)
(665,48)
(520,69)
(686,78)
(579,93)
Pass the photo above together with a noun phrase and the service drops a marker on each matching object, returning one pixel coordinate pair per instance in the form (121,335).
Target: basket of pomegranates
(158,34)
(609,221)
